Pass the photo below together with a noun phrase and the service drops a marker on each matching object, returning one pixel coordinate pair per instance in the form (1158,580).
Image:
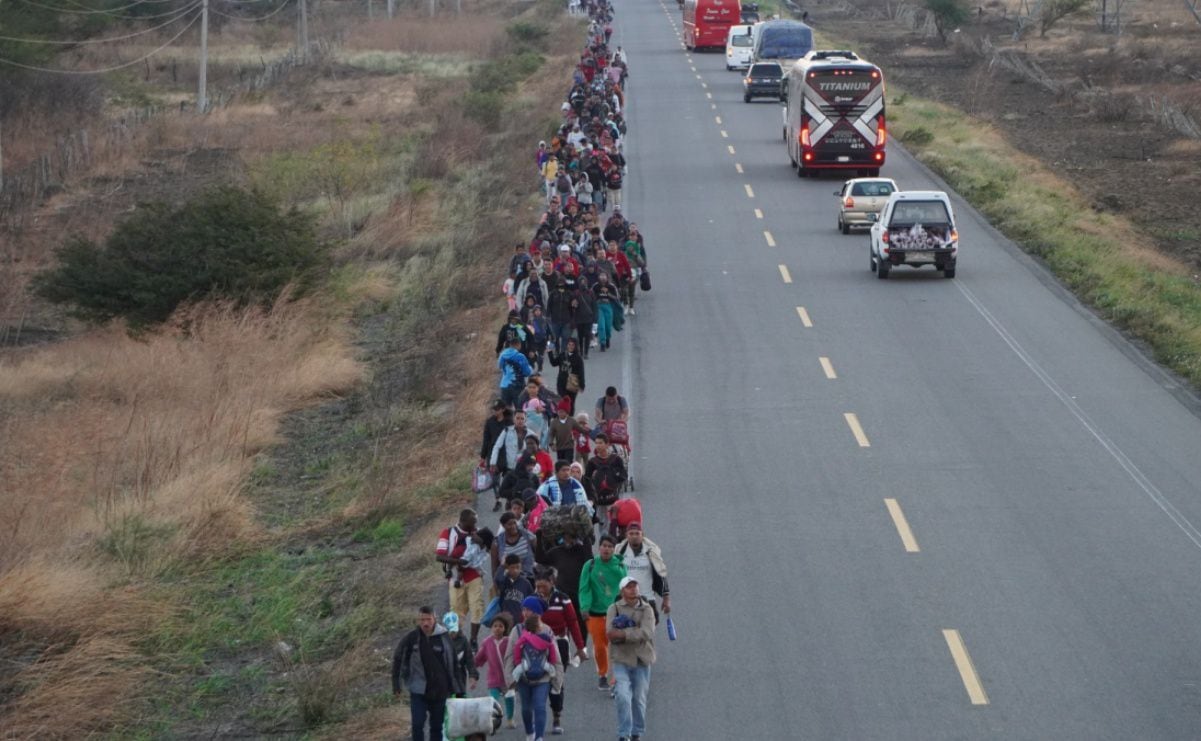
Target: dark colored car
(763,80)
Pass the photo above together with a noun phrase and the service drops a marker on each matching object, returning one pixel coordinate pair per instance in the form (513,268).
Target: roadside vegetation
(217,525)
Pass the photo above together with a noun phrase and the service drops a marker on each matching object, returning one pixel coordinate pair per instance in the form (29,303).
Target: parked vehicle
(781,41)
(860,201)
(707,22)
(738,47)
(763,80)
(834,117)
(916,228)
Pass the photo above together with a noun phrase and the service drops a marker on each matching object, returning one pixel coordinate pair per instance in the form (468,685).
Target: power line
(140,59)
(109,11)
(81,42)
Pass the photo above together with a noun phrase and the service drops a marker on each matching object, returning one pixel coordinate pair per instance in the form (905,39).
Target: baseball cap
(634,526)
(626,581)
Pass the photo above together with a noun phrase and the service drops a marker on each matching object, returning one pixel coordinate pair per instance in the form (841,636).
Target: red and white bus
(835,114)
(707,22)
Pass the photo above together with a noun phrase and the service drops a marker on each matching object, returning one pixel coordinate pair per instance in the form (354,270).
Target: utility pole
(370,11)
(432,8)
(302,38)
(202,102)
(391,8)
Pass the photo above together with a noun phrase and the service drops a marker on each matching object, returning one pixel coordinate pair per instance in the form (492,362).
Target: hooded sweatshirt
(514,367)
(598,584)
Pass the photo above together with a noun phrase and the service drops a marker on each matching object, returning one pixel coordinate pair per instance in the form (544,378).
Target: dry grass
(104,426)
(414,33)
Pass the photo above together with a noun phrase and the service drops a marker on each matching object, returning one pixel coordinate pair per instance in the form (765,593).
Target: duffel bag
(644,281)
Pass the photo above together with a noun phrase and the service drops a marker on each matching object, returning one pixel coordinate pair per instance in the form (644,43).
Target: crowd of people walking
(568,576)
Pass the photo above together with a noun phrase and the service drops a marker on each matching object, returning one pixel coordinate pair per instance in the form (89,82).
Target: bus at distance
(834,114)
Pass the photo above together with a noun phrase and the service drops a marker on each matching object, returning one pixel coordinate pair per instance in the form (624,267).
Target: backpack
(615,178)
(518,375)
(535,664)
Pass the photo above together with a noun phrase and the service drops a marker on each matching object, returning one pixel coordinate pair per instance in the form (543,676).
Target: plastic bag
(465,716)
(481,480)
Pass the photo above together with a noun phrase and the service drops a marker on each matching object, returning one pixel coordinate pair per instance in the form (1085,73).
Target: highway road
(908,509)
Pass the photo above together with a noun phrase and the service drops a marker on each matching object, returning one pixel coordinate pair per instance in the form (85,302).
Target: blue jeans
(533,706)
(559,333)
(421,708)
(633,682)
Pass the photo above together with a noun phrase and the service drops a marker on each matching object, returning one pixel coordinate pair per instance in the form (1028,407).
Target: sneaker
(630,311)
(602,684)
(496,507)
(556,730)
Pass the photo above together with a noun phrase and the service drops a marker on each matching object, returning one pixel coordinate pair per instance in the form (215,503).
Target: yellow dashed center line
(738,166)
(771,241)
(827,368)
(787,276)
(758,214)
(857,430)
(898,519)
(749,193)
(804,315)
(967,672)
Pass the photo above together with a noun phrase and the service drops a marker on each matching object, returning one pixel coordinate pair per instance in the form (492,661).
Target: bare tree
(948,14)
(1192,8)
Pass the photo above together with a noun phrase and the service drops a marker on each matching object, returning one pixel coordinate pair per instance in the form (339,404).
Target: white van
(739,45)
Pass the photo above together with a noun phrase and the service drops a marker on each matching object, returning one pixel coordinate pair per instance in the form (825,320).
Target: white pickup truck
(916,228)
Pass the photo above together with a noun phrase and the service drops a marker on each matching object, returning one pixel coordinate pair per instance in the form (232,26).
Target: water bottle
(671,629)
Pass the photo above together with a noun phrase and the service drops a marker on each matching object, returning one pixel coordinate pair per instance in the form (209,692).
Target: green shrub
(526,34)
(917,136)
(227,243)
(948,14)
(484,107)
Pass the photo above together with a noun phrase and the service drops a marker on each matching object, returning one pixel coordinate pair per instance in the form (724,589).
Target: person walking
(561,618)
(570,381)
(567,559)
(599,582)
(491,655)
(463,663)
(514,368)
(516,540)
(607,301)
(423,665)
(562,431)
(563,490)
(631,634)
(466,586)
(512,586)
(607,472)
(644,561)
(494,426)
(533,664)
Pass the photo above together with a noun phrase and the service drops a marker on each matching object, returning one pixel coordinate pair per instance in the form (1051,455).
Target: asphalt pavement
(909,509)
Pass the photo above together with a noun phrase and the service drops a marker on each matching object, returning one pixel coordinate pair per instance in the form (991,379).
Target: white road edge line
(1110,447)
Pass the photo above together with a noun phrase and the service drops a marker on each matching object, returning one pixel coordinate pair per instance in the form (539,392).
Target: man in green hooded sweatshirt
(598,589)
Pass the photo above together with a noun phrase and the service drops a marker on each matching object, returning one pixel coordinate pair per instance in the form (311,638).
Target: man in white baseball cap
(631,634)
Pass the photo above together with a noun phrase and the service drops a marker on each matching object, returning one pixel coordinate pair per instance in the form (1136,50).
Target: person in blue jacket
(514,369)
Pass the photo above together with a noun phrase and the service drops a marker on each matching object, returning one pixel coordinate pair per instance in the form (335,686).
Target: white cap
(626,581)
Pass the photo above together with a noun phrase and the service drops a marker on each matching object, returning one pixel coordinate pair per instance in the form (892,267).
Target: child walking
(491,654)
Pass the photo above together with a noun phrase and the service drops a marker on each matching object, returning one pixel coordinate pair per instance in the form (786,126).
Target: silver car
(860,201)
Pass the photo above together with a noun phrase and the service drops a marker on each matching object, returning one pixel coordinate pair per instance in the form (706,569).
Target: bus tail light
(808,156)
(848,202)
(879,156)
(881,133)
(805,137)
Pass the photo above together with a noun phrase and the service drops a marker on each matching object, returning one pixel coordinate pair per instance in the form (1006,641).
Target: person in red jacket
(620,263)
(561,618)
